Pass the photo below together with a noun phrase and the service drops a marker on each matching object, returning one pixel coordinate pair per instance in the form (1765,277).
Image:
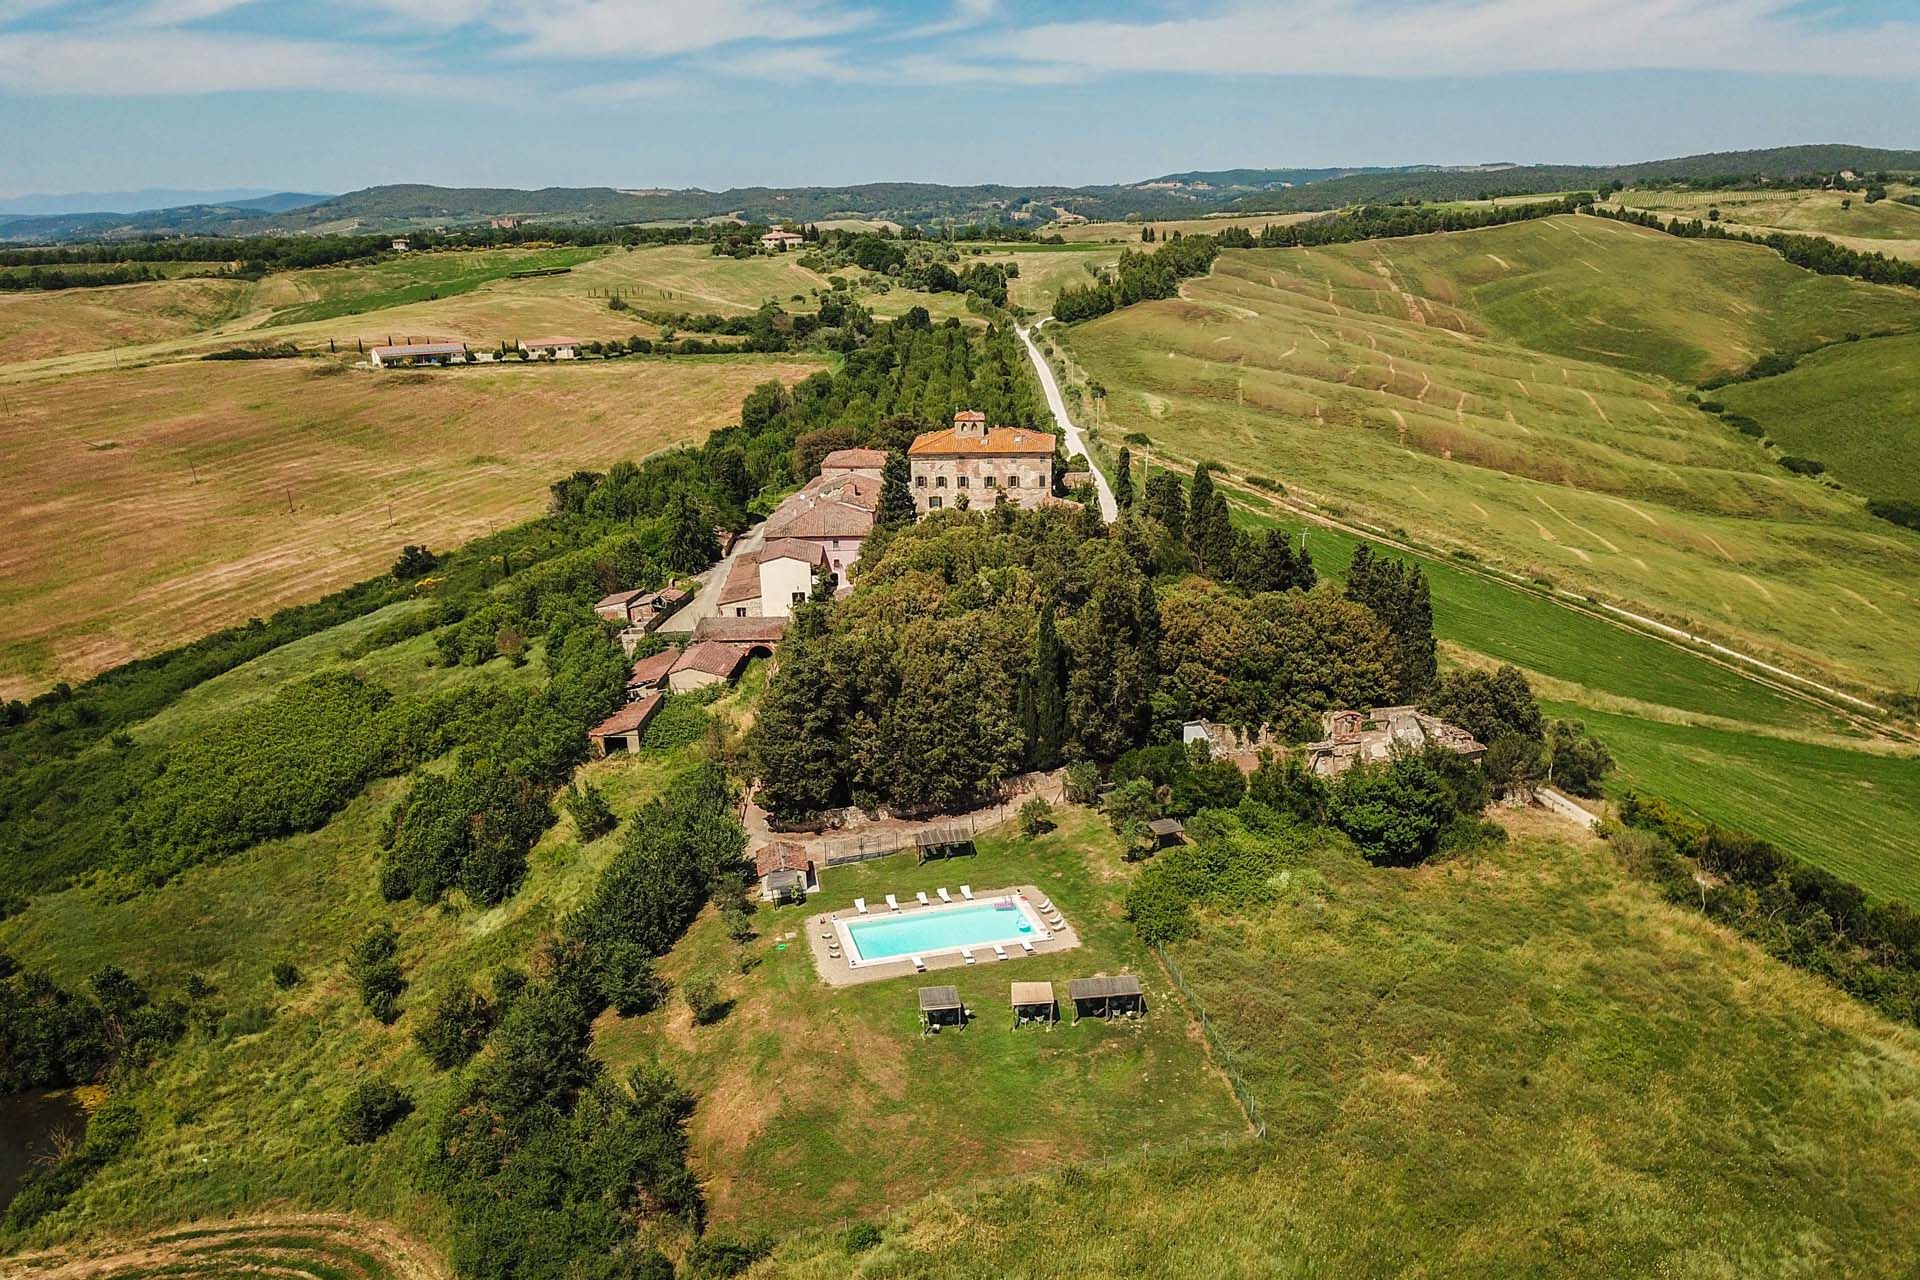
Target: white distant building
(550,348)
(409,354)
(779,240)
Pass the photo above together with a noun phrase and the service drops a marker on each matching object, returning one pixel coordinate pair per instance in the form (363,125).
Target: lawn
(1362,380)
(820,1103)
(1521,1064)
(153,505)
(1854,407)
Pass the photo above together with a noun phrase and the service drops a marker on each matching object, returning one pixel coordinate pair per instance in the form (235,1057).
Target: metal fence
(1242,1091)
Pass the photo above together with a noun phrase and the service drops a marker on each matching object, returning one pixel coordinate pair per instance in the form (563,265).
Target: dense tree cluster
(1138,277)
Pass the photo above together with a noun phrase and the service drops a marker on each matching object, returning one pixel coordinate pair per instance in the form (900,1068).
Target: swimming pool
(930,930)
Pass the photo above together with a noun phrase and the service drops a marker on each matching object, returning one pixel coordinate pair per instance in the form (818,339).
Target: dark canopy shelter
(1033,1002)
(1167,831)
(1104,997)
(941,1007)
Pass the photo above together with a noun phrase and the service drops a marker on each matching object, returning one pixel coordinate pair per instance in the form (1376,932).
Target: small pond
(29,1125)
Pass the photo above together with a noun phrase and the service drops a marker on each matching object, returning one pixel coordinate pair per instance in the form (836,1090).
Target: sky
(103,95)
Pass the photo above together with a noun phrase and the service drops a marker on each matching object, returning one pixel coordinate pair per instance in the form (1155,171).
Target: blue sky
(297,94)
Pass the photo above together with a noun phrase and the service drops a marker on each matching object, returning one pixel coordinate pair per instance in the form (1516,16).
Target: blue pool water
(924,930)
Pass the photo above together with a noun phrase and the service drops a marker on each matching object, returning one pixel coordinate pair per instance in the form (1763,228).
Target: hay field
(38,324)
(150,506)
(1524,1064)
(1128,233)
(1368,375)
(1826,213)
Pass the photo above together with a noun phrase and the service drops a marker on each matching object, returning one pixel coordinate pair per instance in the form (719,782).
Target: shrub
(1395,811)
(1082,781)
(371,1109)
(1577,760)
(861,1236)
(1802,466)
(1900,511)
(1036,817)
(626,979)
(589,810)
(373,967)
(414,563)
(455,1027)
(703,1000)
(715,1256)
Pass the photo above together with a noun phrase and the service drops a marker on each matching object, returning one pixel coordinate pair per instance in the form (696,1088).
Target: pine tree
(1123,480)
(896,494)
(1166,502)
(691,543)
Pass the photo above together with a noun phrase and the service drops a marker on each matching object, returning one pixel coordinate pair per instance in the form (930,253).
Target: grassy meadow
(1366,378)
(1807,212)
(1522,1063)
(822,1103)
(1854,407)
(35,325)
(153,505)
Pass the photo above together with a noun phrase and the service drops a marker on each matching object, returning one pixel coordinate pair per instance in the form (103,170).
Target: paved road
(1076,443)
(706,602)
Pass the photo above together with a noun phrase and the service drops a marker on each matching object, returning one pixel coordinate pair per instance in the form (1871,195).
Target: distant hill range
(1175,195)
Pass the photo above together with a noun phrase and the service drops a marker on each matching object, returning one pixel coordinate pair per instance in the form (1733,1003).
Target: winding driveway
(1076,443)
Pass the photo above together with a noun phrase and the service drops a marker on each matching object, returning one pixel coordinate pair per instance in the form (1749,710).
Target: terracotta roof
(532,344)
(743,581)
(855,488)
(792,549)
(740,630)
(619,599)
(781,855)
(969,415)
(652,670)
(802,516)
(854,458)
(998,442)
(627,719)
(715,657)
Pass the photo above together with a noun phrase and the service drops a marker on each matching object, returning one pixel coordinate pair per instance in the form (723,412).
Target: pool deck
(836,972)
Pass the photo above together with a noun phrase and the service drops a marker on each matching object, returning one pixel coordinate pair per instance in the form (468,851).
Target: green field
(1368,379)
(1521,1064)
(1854,407)
(823,1103)
(326,293)
(1841,214)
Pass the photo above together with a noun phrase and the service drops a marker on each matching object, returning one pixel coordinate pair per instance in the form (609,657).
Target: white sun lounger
(860,905)
(999,952)
(1046,904)
(944,895)
(1026,946)
(892,903)
(966,891)
(966,953)
(919,965)
(922,896)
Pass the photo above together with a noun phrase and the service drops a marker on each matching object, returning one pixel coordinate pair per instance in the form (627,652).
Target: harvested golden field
(36,325)
(150,506)
(1129,232)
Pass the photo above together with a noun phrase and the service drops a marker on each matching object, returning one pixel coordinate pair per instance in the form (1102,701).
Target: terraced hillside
(296,1245)
(1388,376)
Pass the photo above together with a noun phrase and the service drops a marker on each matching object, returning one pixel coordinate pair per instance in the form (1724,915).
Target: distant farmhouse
(549,348)
(409,354)
(779,241)
(1352,737)
(643,609)
(982,462)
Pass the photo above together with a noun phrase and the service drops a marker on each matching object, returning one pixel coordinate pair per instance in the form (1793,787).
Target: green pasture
(327,293)
(820,1103)
(1521,1064)
(1854,407)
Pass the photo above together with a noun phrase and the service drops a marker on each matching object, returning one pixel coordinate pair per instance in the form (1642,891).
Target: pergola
(1104,997)
(1167,831)
(942,842)
(1033,1002)
(941,1007)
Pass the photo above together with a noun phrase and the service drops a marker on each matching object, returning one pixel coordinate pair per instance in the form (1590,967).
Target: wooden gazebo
(941,1007)
(1104,997)
(942,842)
(1167,831)
(1033,1002)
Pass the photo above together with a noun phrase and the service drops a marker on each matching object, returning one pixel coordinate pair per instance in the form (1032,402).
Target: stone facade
(982,463)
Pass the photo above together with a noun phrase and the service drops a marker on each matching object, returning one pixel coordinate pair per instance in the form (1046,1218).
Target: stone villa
(820,527)
(982,463)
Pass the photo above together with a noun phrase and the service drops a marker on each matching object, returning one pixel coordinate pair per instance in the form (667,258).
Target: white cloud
(966,15)
(173,13)
(183,62)
(663,28)
(1475,37)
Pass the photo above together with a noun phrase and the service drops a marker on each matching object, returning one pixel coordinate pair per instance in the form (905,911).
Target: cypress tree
(1166,501)
(1123,480)
(1199,510)
(1217,546)
(1397,593)
(1043,702)
(896,495)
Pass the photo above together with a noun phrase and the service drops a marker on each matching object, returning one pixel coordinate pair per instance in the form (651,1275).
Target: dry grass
(36,325)
(1129,232)
(150,506)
